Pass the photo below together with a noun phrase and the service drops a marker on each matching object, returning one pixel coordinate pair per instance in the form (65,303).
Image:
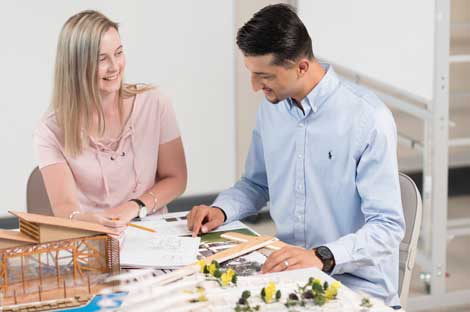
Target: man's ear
(302,67)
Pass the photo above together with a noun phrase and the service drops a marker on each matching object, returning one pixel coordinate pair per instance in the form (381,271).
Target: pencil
(137,226)
(141,227)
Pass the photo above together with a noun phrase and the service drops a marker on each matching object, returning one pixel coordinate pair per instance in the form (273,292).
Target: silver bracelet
(154,201)
(73,214)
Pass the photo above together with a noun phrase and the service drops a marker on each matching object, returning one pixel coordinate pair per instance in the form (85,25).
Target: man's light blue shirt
(331,178)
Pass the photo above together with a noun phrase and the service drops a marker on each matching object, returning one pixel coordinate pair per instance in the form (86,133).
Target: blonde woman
(108,151)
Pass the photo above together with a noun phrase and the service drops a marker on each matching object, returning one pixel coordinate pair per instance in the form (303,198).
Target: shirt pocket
(331,168)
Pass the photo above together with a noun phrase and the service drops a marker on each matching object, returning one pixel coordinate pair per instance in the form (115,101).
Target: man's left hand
(291,258)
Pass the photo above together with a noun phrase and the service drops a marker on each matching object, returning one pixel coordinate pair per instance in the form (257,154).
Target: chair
(412,209)
(37,200)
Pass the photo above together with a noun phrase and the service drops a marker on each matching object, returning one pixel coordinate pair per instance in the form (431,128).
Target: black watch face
(324,253)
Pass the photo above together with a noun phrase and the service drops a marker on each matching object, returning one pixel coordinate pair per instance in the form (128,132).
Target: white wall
(389,41)
(185,47)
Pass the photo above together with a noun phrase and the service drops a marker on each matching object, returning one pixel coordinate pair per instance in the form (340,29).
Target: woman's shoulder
(47,122)
(152,97)
(47,129)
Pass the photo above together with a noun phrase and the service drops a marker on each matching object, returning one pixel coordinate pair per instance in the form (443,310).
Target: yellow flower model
(201,264)
(332,291)
(212,268)
(336,285)
(268,292)
(214,271)
(230,272)
(225,279)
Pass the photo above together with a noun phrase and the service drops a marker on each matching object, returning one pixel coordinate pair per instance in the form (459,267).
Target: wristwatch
(142,209)
(326,257)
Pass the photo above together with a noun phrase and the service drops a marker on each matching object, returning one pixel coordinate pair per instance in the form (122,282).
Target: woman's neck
(110,103)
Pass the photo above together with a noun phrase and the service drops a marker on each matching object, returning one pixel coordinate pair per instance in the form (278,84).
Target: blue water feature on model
(101,303)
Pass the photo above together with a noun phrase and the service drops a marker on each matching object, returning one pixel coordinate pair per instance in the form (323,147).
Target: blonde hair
(76,94)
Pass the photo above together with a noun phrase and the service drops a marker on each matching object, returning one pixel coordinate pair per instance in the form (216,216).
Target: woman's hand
(124,212)
(115,224)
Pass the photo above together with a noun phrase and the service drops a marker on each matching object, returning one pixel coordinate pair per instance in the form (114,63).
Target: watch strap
(141,205)
(138,202)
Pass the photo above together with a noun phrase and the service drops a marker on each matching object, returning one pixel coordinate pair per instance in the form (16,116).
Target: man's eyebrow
(261,73)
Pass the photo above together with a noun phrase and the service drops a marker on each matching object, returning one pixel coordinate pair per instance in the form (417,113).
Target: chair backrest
(412,209)
(37,200)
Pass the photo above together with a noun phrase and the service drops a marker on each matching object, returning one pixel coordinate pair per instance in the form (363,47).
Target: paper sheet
(175,224)
(144,249)
(171,246)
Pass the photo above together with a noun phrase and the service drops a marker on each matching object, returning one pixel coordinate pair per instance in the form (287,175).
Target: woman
(108,151)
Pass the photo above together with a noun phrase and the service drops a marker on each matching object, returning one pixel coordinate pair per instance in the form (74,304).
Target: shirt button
(300,156)
(300,125)
(299,187)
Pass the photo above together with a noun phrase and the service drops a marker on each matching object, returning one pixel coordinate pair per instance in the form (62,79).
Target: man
(323,153)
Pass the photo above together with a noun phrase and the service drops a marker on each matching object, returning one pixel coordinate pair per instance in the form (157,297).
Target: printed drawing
(166,243)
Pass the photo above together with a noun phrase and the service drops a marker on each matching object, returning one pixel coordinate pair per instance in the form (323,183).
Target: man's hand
(291,258)
(204,219)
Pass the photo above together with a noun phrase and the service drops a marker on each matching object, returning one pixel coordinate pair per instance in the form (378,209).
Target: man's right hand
(203,219)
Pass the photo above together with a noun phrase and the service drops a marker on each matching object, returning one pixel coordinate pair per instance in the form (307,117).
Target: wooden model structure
(52,258)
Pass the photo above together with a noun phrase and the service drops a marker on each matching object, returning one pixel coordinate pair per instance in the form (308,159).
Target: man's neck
(313,77)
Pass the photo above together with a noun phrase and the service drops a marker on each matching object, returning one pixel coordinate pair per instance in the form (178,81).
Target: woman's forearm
(64,210)
(164,191)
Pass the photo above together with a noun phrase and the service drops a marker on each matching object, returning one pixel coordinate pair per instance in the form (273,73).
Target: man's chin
(273,100)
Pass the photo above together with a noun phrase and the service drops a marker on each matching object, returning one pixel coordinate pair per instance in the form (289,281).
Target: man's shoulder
(361,96)
(365,102)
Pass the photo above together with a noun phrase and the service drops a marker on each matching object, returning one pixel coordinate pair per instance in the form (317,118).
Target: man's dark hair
(275,29)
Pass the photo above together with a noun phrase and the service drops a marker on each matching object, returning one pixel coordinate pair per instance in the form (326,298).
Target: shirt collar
(320,93)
